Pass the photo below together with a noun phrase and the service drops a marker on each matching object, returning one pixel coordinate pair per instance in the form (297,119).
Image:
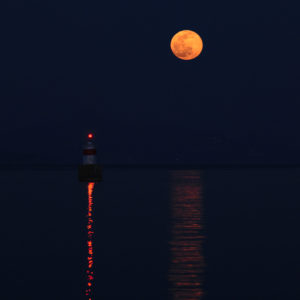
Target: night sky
(70,67)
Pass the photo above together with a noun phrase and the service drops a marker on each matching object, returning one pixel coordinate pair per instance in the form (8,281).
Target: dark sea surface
(155,233)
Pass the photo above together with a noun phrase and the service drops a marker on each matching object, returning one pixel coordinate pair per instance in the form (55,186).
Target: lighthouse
(89,170)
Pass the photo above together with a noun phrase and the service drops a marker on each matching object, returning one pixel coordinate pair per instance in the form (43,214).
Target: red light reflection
(186,245)
(90,258)
(90,135)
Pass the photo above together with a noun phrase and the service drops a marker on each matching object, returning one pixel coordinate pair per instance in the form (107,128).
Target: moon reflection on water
(186,271)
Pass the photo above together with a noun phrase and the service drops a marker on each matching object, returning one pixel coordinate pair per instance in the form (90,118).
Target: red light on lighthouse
(90,135)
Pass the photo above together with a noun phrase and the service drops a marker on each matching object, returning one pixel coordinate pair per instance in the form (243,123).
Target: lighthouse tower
(89,151)
(89,171)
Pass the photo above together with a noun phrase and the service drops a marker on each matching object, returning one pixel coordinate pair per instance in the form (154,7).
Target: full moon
(186,44)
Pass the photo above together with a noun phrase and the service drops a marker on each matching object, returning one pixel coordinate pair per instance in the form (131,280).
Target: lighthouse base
(89,173)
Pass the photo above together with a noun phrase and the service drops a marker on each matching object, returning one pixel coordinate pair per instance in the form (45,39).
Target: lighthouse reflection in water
(186,268)
(90,257)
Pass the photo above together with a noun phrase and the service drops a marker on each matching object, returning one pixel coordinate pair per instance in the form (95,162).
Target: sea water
(152,233)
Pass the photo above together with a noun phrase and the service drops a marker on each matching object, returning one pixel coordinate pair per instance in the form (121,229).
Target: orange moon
(186,44)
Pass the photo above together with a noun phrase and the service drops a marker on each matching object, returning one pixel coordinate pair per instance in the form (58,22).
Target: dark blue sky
(67,67)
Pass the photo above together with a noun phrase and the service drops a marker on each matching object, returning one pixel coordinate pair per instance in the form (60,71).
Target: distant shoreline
(147,166)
